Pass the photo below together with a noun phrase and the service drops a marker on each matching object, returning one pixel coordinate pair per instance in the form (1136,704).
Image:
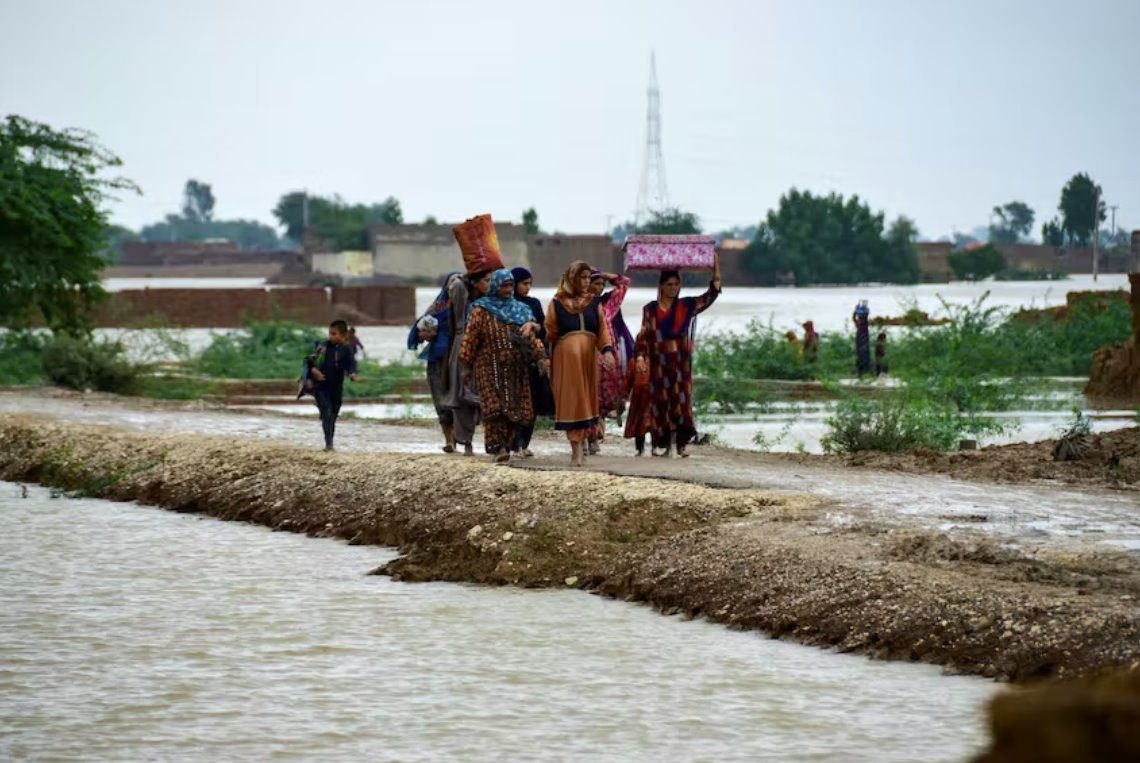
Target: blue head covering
(504,309)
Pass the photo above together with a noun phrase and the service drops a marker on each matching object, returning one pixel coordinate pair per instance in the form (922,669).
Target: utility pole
(652,195)
(1112,230)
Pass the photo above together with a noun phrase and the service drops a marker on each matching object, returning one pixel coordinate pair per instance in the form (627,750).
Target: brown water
(131,633)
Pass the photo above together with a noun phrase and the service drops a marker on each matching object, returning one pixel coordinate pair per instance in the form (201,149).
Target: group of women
(495,356)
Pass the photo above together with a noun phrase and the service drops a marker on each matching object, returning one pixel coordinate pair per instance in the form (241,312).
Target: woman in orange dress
(576,330)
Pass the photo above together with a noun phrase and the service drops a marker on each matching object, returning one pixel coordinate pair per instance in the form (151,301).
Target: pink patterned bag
(669,252)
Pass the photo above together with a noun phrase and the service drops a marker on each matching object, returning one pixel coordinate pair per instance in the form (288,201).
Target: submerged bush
(272,350)
(82,363)
(890,425)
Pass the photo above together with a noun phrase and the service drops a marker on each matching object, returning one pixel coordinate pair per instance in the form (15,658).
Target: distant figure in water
(331,361)
(862,320)
(811,342)
(794,341)
(881,354)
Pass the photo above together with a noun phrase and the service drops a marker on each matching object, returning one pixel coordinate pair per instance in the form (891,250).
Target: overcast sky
(936,109)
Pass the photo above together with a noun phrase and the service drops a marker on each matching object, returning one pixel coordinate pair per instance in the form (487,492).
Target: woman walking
(540,396)
(498,352)
(434,328)
(611,384)
(459,392)
(666,340)
(576,330)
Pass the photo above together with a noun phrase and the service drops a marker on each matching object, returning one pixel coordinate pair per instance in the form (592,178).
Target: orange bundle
(479,244)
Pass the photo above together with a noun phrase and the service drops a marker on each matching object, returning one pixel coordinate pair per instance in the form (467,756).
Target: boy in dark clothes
(332,361)
(881,354)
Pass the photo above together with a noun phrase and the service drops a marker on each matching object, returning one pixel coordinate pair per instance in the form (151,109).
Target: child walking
(332,361)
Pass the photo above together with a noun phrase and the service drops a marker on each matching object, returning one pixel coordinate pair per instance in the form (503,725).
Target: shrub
(81,363)
(977,263)
(271,350)
(890,425)
(21,358)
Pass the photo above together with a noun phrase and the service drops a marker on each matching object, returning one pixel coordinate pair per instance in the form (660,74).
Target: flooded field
(135,633)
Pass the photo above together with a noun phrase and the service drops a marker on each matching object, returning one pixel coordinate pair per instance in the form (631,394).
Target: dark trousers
(523,435)
(329,398)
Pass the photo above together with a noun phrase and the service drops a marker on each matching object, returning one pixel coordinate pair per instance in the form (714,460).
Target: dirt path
(1035,515)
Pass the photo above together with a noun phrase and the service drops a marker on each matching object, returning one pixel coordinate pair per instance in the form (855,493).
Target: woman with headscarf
(611,384)
(576,330)
(459,392)
(434,328)
(496,348)
(666,340)
(540,396)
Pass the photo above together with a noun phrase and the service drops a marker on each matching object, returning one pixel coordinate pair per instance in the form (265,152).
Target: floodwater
(785,308)
(131,633)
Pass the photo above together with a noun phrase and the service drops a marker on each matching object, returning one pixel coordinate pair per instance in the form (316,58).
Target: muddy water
(130,633)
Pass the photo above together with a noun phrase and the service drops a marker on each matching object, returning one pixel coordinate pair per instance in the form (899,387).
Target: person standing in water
(666,342)
(862,320)
(881,354)
(811,342)
(328,365)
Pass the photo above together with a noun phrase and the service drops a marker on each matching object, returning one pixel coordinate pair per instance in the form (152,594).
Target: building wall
(186,253)
(550,256)
(430,251)
(344,264)
(231,308)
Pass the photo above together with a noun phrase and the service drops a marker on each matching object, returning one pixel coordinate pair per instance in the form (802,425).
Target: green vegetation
(262,350)
(977,262)
(828,239)
(342,225)
(1082,209)
(1012,222)
(21,358)
(892,424)
(82,363)
(670,222)
(53,230)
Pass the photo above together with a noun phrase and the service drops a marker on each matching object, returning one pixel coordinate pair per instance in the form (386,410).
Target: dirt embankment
(1113,460)
(744,558)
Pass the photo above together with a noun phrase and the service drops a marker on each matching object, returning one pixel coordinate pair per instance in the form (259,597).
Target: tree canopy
(977,262)
(670,222)
(828,239)
(197,223)
(198,201)
(53,228)
(1012,222)
(530,222)
(333,220)
(1082,209)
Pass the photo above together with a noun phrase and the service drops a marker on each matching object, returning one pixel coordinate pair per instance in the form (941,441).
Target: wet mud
(746,557)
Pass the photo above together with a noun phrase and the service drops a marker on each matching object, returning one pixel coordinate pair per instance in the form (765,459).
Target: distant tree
(1052,233)
(1082,209)
(621,231)
(344,226)
(530,222)
(53,228)
(197,201)
(962,240)
(977,262)
(739,233)
(430,220)
(1013,222)
(117,236)
(670,222)
(829,239)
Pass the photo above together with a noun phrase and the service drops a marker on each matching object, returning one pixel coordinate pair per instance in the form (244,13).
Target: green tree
(342,225)
(1013,222)
(53,228)
(828,239)
(530,222)
(1052,233)
(430,220)
(1082,209)
(116,237)
(670,222)
(197,201)
(977,263)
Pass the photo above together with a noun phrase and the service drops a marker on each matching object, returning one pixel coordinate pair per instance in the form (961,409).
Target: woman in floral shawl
(495,346)
(611,384)
(576,330)
(668,326)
